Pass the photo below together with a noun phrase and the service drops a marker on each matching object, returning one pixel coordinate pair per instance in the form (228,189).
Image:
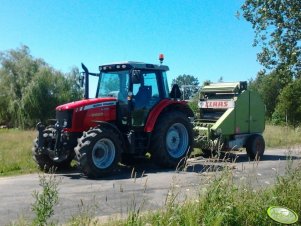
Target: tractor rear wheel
(255,146)
(172,139)
(100,151)
(128,159)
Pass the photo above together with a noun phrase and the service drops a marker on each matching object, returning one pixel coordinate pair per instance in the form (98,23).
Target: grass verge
(281,136)
(15,152)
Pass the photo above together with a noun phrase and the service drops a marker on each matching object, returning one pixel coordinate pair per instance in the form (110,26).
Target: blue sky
(201,38)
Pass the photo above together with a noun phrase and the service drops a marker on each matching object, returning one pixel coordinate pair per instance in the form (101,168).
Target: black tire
(46,164)
(207,153)
(100,151)
(172,140)
(255,146)
(128,159)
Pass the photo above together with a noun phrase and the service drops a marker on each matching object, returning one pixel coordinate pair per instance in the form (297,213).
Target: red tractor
(132,113)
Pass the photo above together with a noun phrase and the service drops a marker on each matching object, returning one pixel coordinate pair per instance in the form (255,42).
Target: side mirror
(136,76)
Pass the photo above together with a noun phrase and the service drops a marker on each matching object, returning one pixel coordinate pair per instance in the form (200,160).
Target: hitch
(43,135)
(58,143)
(40,127)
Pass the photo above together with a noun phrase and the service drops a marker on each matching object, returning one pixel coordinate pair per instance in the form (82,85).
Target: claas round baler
(231,117)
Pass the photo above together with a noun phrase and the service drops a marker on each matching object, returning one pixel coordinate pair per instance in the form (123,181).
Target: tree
(269,86)
(17,70)
(188,84)
(277,26)
(289,105)
(30,89)
(49,89)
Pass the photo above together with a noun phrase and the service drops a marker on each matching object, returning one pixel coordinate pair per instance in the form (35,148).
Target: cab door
(145,91)
(123,110)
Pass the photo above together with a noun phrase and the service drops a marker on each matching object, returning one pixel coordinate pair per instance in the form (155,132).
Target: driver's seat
(143,96)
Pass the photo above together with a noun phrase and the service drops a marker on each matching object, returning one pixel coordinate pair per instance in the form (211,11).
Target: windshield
(113,84)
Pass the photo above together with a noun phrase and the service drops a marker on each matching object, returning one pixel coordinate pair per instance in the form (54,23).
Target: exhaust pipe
(86,78)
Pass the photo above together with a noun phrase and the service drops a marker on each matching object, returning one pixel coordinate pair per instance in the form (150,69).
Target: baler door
(257,113)
(242,113)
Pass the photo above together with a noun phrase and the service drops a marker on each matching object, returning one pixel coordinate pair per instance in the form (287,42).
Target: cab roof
(132,65)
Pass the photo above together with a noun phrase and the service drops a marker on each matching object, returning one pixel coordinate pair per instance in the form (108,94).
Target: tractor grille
(64,116)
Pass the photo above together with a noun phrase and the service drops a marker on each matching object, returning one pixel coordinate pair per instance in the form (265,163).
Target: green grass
(15,152)
(281,136)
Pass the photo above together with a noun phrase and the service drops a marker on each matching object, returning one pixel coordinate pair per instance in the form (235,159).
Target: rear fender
(164,106)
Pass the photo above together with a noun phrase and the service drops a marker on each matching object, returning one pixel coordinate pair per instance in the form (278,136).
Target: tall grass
(45,201)
(281,136)
(15,152)
(227,202)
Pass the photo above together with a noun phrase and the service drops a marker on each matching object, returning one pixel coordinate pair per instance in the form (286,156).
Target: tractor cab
(137,87)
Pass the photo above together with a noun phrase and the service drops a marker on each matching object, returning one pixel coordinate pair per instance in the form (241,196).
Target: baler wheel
(207,153)
(100,151)
(255,146)
(172,139)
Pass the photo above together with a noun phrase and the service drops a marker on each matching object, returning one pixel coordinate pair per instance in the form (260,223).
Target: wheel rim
(177,140)
(103,153)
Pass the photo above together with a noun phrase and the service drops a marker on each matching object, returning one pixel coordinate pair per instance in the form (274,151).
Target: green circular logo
(282,215)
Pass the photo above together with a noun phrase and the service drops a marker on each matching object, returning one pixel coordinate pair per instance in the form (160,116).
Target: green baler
(231,117)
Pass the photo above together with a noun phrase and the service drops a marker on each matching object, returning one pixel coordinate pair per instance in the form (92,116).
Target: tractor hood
(87,104)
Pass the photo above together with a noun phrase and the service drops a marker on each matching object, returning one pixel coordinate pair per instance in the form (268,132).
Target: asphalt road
(144,188)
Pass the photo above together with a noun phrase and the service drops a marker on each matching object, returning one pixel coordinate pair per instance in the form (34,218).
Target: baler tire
(100,151)
(255,147)
(171,126)
(207,153)
(46,164)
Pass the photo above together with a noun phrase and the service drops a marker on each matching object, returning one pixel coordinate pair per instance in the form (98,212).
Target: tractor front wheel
(172,139)
(255,146)
(99,152)
(46,163)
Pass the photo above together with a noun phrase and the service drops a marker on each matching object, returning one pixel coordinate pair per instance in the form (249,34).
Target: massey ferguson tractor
(132,113)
